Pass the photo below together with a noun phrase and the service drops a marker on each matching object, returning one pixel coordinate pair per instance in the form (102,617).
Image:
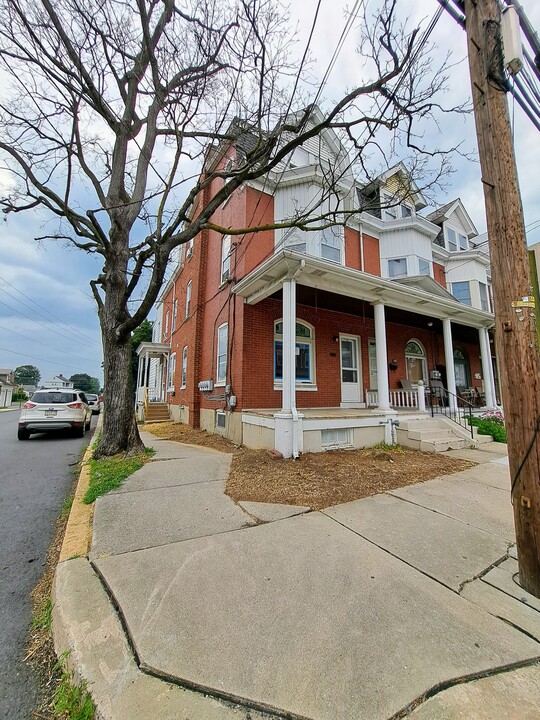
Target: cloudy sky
(47,313)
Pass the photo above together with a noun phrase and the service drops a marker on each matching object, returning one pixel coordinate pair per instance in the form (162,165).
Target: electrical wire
(78,332)
(32,357)
(38,342)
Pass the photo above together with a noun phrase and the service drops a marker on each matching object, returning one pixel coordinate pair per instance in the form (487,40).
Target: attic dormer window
(455,240)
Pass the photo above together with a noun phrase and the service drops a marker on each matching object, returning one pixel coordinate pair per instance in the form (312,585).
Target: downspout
(294,411)
(361,247)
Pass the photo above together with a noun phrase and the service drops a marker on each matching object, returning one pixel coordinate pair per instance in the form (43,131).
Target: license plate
(50,413)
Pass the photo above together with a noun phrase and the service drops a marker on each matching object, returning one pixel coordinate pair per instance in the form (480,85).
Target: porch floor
(332,412)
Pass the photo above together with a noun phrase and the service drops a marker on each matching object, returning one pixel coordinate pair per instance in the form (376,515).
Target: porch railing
(398,398)
(442,402)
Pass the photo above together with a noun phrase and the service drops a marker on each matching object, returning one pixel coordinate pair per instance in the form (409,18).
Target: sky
(48,316)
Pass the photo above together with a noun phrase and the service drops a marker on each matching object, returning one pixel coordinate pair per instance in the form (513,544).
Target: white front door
(351,376)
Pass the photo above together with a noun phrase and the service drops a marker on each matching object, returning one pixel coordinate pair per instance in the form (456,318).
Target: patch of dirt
(316,480)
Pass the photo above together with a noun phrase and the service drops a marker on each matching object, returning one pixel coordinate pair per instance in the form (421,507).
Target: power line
(47,327)
(38,342)
(78,332)
(32,357)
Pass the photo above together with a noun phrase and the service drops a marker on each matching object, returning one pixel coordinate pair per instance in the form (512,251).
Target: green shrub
(492,425)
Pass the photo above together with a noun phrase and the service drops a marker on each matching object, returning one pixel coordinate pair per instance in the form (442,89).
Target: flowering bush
(491,423)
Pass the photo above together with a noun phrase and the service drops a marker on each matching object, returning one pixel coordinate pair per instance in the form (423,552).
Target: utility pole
(515,331)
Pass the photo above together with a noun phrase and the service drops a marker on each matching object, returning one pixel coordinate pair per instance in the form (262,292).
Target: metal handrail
(459,411)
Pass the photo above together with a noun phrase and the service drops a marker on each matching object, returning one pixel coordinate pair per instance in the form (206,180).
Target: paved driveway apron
(352,612)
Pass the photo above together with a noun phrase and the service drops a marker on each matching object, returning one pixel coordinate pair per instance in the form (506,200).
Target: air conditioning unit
(206,385)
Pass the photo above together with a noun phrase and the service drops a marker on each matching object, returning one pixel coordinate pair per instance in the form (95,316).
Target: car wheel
(23,434)
(87,426)
(79,431)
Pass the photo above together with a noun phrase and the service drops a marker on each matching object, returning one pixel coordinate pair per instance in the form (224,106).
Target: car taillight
(79,405)
(29,405)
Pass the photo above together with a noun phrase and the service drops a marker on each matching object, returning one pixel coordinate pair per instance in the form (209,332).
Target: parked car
(95,403)
(55,409)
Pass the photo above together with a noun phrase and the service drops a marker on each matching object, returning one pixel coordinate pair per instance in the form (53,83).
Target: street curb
(78,534)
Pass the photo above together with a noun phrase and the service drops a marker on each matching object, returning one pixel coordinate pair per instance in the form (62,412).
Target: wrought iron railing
(442,402)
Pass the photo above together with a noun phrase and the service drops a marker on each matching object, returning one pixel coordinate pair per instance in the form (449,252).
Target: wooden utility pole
(515,331)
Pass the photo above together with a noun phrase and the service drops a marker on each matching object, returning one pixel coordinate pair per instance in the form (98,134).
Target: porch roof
(314,272)
(153,350)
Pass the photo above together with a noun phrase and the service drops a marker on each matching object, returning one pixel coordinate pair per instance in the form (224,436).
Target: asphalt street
(35,478)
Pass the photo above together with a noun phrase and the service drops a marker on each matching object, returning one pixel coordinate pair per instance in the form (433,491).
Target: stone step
(427,433)
(440,445)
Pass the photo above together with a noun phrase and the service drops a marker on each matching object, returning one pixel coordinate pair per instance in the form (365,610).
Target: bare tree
(114,103)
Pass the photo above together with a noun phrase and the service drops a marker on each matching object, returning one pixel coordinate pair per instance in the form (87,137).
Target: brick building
(304,340)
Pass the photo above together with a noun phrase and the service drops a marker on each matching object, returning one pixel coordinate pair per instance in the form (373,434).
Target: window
(335,438)
(331,244)
(295,240)
(462,292)
(455,240)
(188,299)
(225,258)
(175,310)
(451,239)
(461,369)
(424,267)
(172,367)
(484,300)
(304,352)
(166,325)
(189,248)
(184,366)
(415,361)
(397,267)
(406,211)
(222,338)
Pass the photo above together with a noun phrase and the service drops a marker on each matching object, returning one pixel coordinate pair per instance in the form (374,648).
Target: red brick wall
(439,274)
(372,259)
(352,249)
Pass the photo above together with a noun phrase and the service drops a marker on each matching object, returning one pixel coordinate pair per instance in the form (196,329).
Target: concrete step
(440,445)
(425,433)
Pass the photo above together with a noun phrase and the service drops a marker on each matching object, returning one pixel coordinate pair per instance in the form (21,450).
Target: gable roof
(406,185)
(445,212)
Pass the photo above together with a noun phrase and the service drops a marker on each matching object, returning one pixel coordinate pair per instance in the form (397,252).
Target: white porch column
(288,399)
(286,421)
(383,392)
(487,369)
(449,358)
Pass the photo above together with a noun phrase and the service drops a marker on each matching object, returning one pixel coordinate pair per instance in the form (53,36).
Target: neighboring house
(6,392)
(58,381)
(7,375)
(300,340)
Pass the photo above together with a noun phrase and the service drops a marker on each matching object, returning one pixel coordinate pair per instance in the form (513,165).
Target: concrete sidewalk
(401,604)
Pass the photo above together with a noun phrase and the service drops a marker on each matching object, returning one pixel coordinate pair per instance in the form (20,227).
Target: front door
(351,381)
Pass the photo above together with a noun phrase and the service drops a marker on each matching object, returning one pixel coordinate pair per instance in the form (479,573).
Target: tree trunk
(119,433)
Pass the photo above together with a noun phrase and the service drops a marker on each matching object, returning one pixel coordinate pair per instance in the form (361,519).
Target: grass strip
(109,473)
(71,701)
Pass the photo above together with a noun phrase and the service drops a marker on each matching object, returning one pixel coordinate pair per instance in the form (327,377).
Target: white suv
(52,409)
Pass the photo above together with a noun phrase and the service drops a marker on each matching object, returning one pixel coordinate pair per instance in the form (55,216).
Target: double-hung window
(221,364)
(184,366)
(424,267)
(484,300)
(174,312)
(397,267)
(304,353)
(451,239)
(188,299)
(172,367)
(331,244)
(462,292)
(225,258)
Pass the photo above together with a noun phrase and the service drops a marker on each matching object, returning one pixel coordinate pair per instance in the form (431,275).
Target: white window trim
(302,385)
(221,382)
(184,367)
(174,314)
(423,358)
(188,299)
(225,257)
(170,372)
(405,274)
(462,282)
(458,233)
